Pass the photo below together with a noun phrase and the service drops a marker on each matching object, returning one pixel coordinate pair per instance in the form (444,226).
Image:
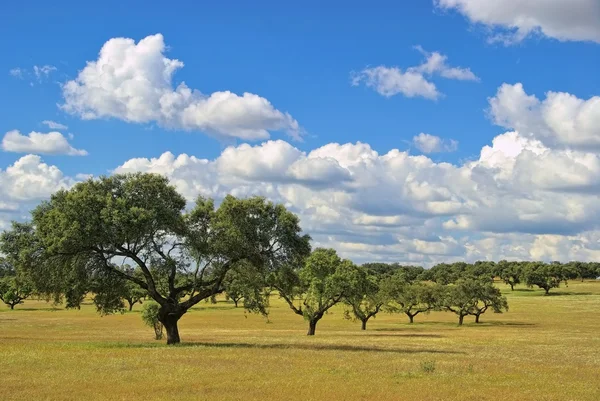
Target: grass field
(544,348)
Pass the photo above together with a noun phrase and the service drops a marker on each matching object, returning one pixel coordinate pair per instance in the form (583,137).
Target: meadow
(544,348)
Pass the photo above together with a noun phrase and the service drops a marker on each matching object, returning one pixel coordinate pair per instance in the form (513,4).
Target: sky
(418,132)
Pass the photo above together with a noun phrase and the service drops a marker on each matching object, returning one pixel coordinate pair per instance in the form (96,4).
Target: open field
(544,348)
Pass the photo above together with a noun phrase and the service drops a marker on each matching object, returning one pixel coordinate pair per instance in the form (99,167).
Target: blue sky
(301,58)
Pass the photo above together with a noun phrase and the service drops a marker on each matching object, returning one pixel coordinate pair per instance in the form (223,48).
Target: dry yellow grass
(545,348)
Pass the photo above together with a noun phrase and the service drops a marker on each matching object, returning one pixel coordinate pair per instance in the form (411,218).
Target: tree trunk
(169,315)
(460,319)
(547,290)
(312,327)
(12,306)
(130,305)
(512,287)
(477,318)
(364,324)
(235,302)
(411,318)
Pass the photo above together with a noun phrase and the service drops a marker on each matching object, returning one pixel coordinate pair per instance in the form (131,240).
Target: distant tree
(316,286)
(14,290)
(246,283)
(486,296)
(381,269)
(410,299)
(581,270)
(444,273)
(481,270)
(544,275)
(150,313)
(363,296)
(510,273)
(140,219)
(15,285)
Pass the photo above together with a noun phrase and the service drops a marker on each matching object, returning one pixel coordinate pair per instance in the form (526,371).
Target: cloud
(390,81)
(518,200)
(512,21)
(133,82)
(54,125)
(434,144)
(399,207)
(52,143)
(436,64)
(30,179)
(16,72)
(44,71)
(37,73)
(560,120)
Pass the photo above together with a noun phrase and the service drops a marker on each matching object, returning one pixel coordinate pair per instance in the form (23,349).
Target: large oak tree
(140,219)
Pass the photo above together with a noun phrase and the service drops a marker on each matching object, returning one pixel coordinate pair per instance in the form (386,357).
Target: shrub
(150,318)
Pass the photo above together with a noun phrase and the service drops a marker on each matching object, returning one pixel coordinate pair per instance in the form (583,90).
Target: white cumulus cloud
(427,143)
(560,120)
(514,20)
(54,125)
(134,82)
(414,81)
(51,143)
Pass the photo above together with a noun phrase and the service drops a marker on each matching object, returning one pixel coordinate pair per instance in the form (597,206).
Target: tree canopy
(87,232)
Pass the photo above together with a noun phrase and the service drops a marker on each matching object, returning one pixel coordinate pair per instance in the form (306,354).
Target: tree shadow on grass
(403,335)
(214,307)
(556,294)
(497,323)
(308,347)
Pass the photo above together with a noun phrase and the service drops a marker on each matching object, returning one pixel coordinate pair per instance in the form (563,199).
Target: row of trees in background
(127,238)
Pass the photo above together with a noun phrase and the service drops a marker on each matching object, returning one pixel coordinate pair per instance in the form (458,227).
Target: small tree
(150,317)
(13,290)
(543,275)
(15,285)
(364,297)
(487,296)
(410,299)
(510,273)
(320,283)
(473,297)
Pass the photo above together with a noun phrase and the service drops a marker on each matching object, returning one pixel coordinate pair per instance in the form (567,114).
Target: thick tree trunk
(512,287)
(411,318)
(460,319)
(172,332)
(364,324)
(477,318)
(130,305)
(235,302)
(169,315)
(547,290)
(12,306)
(312,327)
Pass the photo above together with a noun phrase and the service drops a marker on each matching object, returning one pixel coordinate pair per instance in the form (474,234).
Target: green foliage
(14,290)
(473,297)
(320,283)
(179,258)
(544,275)
(246,282)
(150,318)
(15,283)
(510,272)
(363,296)
(410,298)
(428,366)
